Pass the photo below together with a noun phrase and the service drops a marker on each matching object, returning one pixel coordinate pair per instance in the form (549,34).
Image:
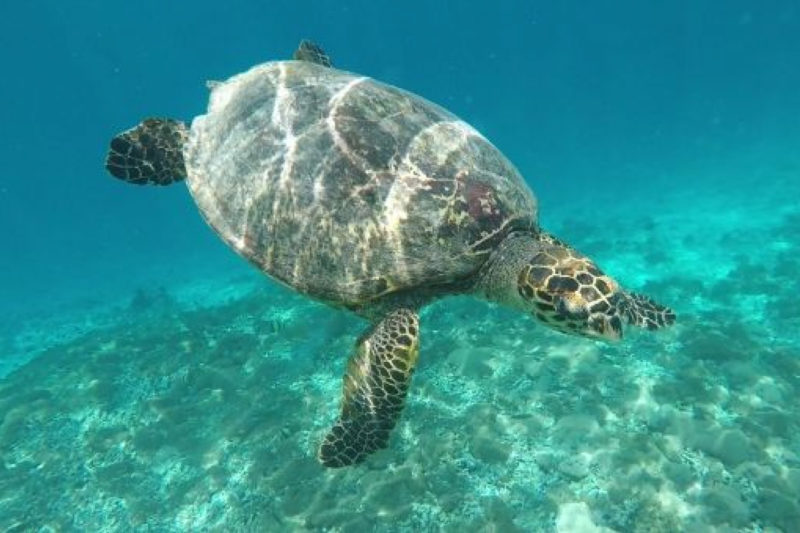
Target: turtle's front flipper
(374,390)
(149,154)
(643,312)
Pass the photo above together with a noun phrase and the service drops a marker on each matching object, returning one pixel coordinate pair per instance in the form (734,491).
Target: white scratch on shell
(335,100)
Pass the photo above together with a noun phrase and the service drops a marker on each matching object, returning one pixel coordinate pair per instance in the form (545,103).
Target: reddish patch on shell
(481,204)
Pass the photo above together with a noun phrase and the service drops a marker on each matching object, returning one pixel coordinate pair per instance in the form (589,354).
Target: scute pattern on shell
(345,188)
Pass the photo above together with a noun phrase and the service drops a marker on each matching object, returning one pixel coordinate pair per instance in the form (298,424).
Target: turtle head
(569,293)
(538,274)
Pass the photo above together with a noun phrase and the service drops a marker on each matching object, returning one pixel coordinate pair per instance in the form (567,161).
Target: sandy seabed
(199,407)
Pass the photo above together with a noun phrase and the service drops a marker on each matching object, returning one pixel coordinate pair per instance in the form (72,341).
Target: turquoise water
(153,381)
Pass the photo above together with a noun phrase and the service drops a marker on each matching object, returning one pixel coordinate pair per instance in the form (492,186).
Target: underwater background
(150,380)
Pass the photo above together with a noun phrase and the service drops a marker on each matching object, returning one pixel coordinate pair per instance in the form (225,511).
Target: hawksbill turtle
(372,199)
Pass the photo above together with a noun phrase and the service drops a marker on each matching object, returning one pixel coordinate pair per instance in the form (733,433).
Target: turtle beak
(598,325)
(605,327)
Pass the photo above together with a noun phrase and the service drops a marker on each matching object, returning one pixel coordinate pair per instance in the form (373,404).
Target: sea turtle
(372,199)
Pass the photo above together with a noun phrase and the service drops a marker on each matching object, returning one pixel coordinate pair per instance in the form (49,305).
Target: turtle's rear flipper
(151,153)
(313,53)
(374,390)
(643,312)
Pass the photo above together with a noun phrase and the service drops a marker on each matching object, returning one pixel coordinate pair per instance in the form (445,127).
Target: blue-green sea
(152,380)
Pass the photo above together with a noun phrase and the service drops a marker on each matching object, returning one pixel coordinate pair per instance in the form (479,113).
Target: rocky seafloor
(166,413)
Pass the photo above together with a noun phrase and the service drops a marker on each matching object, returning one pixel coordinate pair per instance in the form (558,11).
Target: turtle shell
(345,188)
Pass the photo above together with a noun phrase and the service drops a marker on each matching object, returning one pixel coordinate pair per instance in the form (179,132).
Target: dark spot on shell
(584,278)
(441,187)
